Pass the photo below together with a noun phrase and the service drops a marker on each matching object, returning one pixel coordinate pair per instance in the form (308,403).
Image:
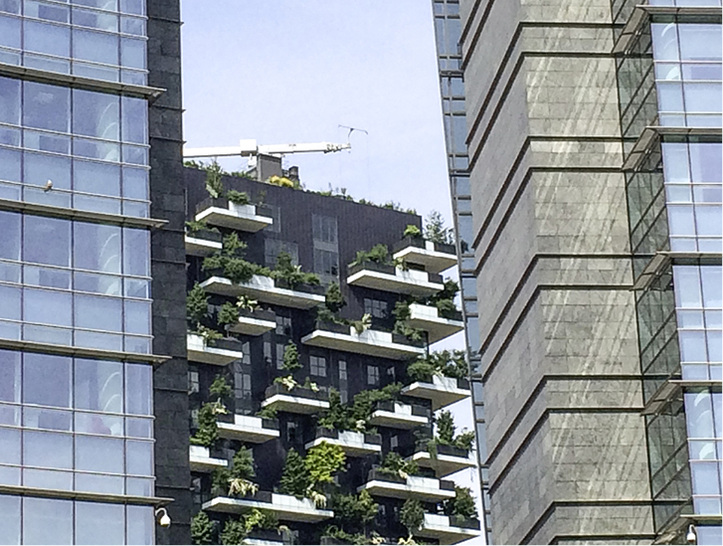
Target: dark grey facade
(593,134)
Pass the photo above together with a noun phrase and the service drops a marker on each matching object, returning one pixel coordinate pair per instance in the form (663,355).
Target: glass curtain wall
(448,30)
(76,414)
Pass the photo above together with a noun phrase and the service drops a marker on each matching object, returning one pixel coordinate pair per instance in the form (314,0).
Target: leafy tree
(323,461)
(465,440)
(435,230)
(421,370)
(214,185)
(462,505)
(412,515)
(291,358)
(260,519)
(412,231)
(238,197)
(445,428)
(334,299)
(353,513)
(234,532)
(378,254)
(295,479)
(203,530)
(220,388)
(243,464)
(394,465)
(232,245)
(207,432)
(364,401)
(228,314)
(196,305)
(337,417)
(292,274)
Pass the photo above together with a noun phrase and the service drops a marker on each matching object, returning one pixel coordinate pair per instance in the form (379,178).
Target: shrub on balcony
(214,185)
(203,530)
(442,363)
(334,299)
(446,434)
(352,516)
(378,254)
(436,231)
(228,315)
(363,405)
(229,260)
(286,271)
(412,231)
(207,433)
(338,416)
(291,358)
(412,517)
(238,197)
(462,506)
(295,479)
(194,226)
(393,465)
(196,305)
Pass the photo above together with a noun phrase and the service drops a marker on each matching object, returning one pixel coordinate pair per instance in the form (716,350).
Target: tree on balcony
(412,517)
(446,435)
(203,529)
(436,231)
(462,507)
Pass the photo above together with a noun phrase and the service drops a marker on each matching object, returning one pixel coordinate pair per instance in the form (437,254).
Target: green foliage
(220,388)
(245,303)
(412,231)
(234,532)
(446,308)
(260,519)
(243,467)
(449,292)
(220,478)
(325,315)
(214,185)
(401,326)
(465,440)
(334,299)
(363,324)
(203,530)
(267,413)
(229,260)
(338,416)
(364,401)
(435,231)
(394,465)
(353,513)
(323,461)
(378,254)
(291,358)
(292,274)
(238,197)
(445,428)
(341,535)
(232,244)
(196,305)
(295,479)
(228,314)
(194,227)
(420,370)
(462,505)
(444,363)
(412,515)
(207,432)
(209,334)
(401,311)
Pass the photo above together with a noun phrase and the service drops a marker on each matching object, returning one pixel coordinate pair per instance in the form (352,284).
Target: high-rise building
(594,145)
(312,390)
(89,101)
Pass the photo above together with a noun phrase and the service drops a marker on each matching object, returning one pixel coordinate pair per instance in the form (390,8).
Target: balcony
(354,444)
(399,415)
(434,257)
(201,461)
(266,290)
(220,353)
(448,530)
(442,391)
(202,242)
(413,487)
(388,278)
(297,400)
(284,507)
(370,342)
(221,212)
(449,459)
(254,323)
(265,537)
(246,428)
(426,317)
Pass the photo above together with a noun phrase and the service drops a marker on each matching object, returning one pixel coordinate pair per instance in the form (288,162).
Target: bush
(234,532)
(228,315)
(286,270)
(435,231)
(295,479)
(203,530)
(462,505)
(420,370)
(207,432)
(238,197)
(214,185)
(334,299)
(323,461)
(412,515)
(196,305)
(412,231)
(378,254)
(394,465)
(291,358)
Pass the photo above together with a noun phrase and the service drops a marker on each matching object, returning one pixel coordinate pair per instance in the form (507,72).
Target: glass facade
(76,415)
(448,30)
(675,209)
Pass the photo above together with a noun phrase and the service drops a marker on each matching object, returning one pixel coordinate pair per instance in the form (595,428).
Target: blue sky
(285,71)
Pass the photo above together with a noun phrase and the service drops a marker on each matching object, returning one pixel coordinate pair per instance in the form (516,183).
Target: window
(376,308)
(280,347)
(342,370)
(318,366)
(274,247)
(324,228)
(373,375)
(326,263)
(283,326)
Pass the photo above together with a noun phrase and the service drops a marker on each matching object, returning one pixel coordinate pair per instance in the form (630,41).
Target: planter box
(297,400)
(427,318)
(448,459)
(264,289)
(398,415)
(284,507)
(369,342)
(434,257)
(441,391)
(448,530)
(221,212)
(202,242)
(246,428)
(394,279)
(221,353)
(413,487)
(254,323)
(354,444)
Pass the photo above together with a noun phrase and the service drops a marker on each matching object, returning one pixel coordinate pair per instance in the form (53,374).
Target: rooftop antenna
(351,130)
(249,148)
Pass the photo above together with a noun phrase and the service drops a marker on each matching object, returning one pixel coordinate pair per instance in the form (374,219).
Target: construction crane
(249,148)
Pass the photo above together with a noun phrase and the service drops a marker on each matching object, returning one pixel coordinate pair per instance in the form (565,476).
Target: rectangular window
(326,262)
(280,356)
(193,384)
(318,366)
(324,228)
(376,308)
(342,370)
(283,326)
(274,247)
(373,375)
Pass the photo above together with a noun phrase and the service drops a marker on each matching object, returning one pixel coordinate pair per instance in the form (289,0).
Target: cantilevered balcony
(412,487)
(222,212)
(426,317)
(246,428)
(394,279)
(370,342)
(296,400)
(284,507)
(399,415)
(446,461)
(254,323)
(442,391)
(220,353)
(201,460)
(265,537)
(434,257)
(266,290)
(202,242)
(448,530)
(354,444)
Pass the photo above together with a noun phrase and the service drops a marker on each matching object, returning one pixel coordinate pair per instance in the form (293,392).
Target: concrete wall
(567,449)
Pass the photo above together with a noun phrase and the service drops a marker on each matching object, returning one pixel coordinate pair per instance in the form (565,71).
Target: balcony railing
(296,400)
(427,318)
(398,415)
(354,444)
(266,290)
(445,461)
(220,353)
(284,507)
(383,484)
(221,212)
(246,428)
(202,242)
(442,391)
(200,460)
(388,278)
(370,342)
(448,530)
(435,257)
(254,323)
